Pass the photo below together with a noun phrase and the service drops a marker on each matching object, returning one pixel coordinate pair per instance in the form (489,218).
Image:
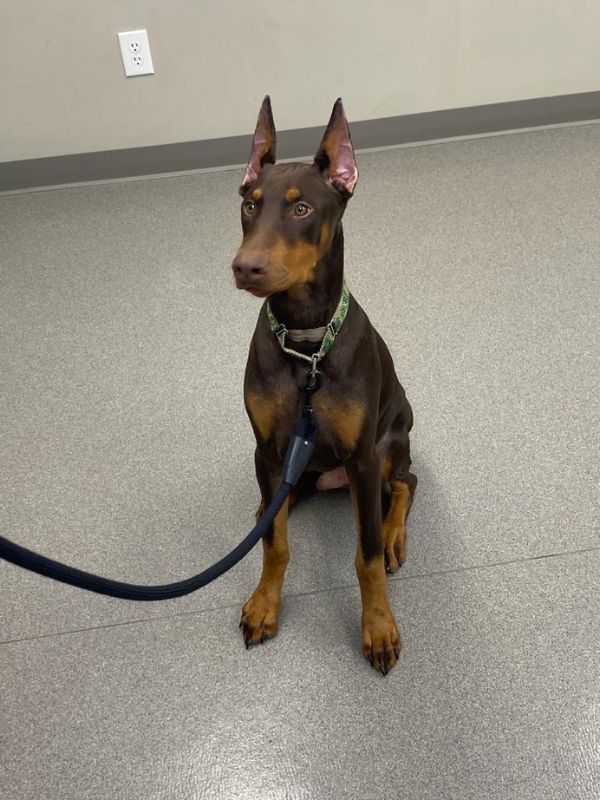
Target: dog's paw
(394,543)
(380,640)
(259,618)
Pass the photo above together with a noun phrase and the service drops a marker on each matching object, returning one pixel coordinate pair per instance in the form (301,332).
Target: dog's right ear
(263,145)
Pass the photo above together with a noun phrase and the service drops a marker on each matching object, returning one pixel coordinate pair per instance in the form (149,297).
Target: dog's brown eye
(249,207)
(301,210)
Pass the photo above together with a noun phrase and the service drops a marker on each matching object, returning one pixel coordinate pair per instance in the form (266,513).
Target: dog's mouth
(261,280)
(255,292)
(261,285)
(253,287)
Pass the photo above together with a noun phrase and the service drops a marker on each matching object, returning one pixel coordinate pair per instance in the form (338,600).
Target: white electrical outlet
(135,52)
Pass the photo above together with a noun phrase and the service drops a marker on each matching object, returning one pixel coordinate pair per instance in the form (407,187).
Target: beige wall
(62,87)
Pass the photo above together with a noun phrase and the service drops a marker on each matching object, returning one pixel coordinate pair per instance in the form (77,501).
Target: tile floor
(126,451)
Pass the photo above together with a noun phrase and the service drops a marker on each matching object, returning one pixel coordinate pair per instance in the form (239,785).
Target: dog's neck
(313,304)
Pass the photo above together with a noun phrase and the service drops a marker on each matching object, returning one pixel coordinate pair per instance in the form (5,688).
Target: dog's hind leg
(394,525)
(402,484)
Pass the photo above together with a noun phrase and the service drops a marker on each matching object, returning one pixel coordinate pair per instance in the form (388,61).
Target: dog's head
(290,211)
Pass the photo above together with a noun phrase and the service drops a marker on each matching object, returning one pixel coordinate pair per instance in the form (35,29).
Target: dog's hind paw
(394,537)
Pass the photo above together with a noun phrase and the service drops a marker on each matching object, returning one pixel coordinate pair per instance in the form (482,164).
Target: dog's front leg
(260,613)
(380,637)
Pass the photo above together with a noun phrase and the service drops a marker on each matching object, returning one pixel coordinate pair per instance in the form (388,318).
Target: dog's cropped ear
(263,145)
(335,156)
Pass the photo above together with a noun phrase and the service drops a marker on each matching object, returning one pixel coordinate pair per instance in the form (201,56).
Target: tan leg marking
(394,526)
(259,615)
(380,638)
(386,469)
(381,642)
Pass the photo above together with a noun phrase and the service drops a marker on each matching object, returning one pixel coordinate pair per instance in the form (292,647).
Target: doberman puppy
(293,254)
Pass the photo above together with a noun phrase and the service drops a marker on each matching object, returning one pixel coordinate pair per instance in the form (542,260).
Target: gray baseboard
(207,153)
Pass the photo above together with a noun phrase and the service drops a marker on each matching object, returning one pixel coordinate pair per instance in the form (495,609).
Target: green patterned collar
(327,334)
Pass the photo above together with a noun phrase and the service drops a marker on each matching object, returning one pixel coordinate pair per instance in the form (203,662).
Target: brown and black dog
(293,254)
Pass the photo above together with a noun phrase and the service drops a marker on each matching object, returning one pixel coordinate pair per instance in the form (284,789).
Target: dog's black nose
(249,270)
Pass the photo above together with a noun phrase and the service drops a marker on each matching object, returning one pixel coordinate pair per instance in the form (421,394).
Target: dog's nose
(249,270)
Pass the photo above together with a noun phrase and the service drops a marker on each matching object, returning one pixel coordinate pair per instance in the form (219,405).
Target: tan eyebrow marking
(292,194)
(257,194)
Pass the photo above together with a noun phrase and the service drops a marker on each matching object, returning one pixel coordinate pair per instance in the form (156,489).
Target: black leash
(297,457)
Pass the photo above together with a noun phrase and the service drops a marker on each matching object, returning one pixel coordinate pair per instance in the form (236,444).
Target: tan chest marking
(345,418)
(265,411)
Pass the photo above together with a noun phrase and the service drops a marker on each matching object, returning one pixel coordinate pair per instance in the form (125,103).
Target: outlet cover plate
(135,52)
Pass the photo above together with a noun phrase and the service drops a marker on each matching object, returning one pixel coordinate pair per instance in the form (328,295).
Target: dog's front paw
(380,639)
(259,618)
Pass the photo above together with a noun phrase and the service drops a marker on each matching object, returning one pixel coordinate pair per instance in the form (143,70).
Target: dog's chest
(340,422)
(274,415)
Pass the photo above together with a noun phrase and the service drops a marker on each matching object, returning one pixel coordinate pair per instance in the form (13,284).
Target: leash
(298,454)
(300,449)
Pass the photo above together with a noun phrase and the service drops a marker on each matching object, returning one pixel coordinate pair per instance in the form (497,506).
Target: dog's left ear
(335,156)
(262,150)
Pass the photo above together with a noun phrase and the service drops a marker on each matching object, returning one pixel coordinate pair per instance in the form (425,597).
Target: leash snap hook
(314,377)
(315,360)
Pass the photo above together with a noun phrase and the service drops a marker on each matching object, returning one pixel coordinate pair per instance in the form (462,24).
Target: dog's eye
(249,207)
(301,210)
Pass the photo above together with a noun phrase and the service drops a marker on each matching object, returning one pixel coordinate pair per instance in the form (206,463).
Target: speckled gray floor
(125,450)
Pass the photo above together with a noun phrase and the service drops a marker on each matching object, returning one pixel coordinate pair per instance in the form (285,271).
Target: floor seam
(309,593)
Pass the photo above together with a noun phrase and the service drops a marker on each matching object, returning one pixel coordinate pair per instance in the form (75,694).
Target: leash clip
(315,360)
(314,377)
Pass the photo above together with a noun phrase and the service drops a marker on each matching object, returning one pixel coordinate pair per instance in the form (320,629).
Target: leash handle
(301,446)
